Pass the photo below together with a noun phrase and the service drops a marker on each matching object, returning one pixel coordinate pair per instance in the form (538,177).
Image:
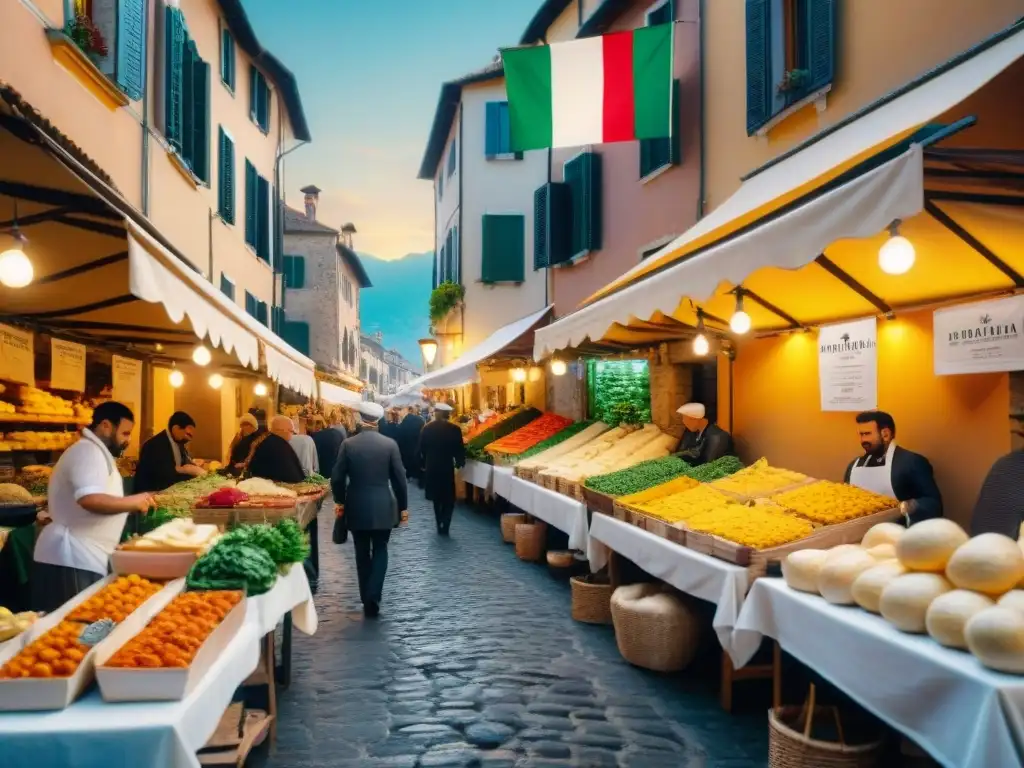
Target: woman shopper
(370,492)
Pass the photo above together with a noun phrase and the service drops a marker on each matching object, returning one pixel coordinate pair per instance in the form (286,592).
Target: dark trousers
(443,509)
(54,585)
(312,564)
(371,563)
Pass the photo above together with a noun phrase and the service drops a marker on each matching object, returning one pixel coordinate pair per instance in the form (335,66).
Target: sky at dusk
(369,73)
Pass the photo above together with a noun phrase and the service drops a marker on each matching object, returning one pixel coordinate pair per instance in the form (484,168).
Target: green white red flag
(617,87)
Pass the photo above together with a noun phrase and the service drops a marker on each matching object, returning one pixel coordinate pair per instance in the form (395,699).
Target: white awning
(463,370)
(336,395)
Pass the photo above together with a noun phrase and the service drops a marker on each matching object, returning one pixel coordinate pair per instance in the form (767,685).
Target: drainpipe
(279,217)
(703,117)
(462,156)
(549,277)
(145,115)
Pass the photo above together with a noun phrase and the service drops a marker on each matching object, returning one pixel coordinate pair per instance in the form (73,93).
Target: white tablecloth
(964,715)
(501,480)
(94,734)
(703,576)
(565,514)
(477,474)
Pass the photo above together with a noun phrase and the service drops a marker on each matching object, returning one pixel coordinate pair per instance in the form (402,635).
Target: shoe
(371,610)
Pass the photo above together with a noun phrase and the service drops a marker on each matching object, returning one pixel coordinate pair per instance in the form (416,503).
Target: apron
(876,479)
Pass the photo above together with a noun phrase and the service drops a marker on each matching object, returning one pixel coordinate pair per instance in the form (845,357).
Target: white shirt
(305,449)
(78,538)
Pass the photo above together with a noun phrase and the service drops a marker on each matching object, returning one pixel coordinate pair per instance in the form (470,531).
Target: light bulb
(15,268)
(176,378)
(535,373)
(216,380)
(558,367)
(519,375)
(740,322)
(260,390)
(896,256)
(201,355)
(701,345)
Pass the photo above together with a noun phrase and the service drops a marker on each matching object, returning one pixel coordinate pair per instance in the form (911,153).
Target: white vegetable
(905,600)
(800,569)
(835,581)
(996,637)
(949,613)
(883,533)
(990,563)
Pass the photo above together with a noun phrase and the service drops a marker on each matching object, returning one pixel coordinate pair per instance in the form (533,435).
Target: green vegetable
(639,477)
(715,470)
(284,542)
(317,478)
(234,565)
(551,442)
(619,391)
(156,518)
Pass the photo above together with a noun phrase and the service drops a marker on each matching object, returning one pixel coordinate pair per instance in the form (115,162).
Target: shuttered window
(790,48)
(295,272)
(261,312)
(503,259)
(259,99)
(452,158)
(186,96)
(498,132)
(227,287)
(659,153)
(552,225)
(225,176)
(583,176)
(130,64)
(442,265)
(257,212)
(297,334)
(251,304)
(227,59)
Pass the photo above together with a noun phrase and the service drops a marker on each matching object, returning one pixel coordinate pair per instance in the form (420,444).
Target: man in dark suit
(164,459)
(441,451)
(409,440)
(370,493)
(328,443)
(271,455)
(891,470)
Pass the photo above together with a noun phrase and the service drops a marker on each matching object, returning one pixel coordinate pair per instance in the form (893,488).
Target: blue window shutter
(263,219)
(820,30)
(174,47)
(492,141)
(261,312)
(253,78)
(441,276)
(297,334)
(434,281)
(131,47)
(503,249)
(226,177)
(201,119)
(250,304)
(227,287)
(227,59)
(251,188)
(457,258)
(759,64)
(540,226)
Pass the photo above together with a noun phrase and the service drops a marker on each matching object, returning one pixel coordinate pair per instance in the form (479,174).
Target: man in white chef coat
(88,508)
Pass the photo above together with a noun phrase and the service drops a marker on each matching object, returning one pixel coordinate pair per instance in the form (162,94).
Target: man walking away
(409,440)
(367,463)
(441,452)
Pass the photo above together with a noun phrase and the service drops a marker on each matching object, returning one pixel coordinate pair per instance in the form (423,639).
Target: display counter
(477,473)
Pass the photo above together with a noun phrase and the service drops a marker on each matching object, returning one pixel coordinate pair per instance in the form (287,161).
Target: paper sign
(67,365)
(17,355)
(848,366)
(126,376)
(985,337)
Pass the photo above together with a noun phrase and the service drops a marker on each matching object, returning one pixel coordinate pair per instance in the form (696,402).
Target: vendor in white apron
(890,470)
(88,507)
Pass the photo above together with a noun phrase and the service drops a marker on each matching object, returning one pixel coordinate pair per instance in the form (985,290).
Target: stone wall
(318,302)
(671,386)
(566,394)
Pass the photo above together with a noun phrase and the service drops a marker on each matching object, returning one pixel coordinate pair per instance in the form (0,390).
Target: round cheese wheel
(800,569)
(949,613)
(989,563)
(835,582)
(996,637)
(928,545)
(1013,599)
(905,599)
(842,549)
(867,588)
(883,533)
(883,551)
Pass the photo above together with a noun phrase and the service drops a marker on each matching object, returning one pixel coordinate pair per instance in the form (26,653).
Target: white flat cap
(693,410)
(442,407)
(370,411)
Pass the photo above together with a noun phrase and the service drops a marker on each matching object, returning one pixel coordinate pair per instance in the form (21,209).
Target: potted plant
(83,33)
(444,300)
(794,81)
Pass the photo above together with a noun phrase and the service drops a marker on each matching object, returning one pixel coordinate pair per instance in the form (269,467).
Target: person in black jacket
(891,470)
(441,452)
(327,441)
(409,440)
(271,455)
(164,459)
(702,442)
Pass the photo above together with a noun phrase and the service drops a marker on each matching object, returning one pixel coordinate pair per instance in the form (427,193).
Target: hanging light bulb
(176,378)
(201,355)
(216,380)
(897,255)
(15,267)
(260,390)
(701,346)
(740,320)
(519,375)
(558,367)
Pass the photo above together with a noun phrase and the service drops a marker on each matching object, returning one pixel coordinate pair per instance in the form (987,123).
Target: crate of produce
(569,488)
(521,440)
(674,532)
(760,480)
(529,475)
(598,502)
(166,552)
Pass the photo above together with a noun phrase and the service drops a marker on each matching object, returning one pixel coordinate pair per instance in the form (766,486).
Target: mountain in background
(398,302)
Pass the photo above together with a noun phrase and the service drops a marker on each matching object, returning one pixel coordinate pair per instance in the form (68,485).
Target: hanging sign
(17,355)
(848,366)
(67,365)
(985,337)
(126,376)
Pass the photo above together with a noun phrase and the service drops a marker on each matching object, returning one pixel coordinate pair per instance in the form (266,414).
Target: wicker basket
(654,628)
(792,748)
(509,521)
(220,516)
(591,600)
(257,515)
(561,558)
(530,540)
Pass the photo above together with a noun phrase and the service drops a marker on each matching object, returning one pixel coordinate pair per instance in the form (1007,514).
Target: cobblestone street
(475,661)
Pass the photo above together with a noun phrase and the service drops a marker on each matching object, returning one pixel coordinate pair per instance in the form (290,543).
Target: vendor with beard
(891,470)
(164,459)
(88,508)
(702,442)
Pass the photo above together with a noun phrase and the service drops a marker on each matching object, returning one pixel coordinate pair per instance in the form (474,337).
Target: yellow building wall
(959,423)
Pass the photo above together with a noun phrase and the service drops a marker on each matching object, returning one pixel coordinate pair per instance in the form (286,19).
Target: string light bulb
(558,367)
(176,378)
(260,390)
(701,346)
(216,380)
(519,375)
(201,355)
(740,321)
(897,254)
(15,267)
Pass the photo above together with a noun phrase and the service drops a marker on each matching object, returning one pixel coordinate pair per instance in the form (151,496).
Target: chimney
(312,197)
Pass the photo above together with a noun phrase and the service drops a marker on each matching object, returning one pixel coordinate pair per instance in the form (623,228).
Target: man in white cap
(441,452)
(370,492)
(702,442)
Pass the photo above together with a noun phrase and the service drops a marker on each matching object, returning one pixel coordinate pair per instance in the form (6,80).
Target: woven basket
(791,748)
(591,601)
(561,558)
(219,516)
(654,628)
(257,515)
(530,540)
(509,521)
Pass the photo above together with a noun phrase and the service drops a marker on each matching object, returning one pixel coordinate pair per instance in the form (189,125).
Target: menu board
(848,366)
(17,355)
(126,375)
(984,337)
(67,365)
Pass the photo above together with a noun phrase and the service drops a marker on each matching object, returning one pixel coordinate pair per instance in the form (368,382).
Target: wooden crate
(548,481)
(764,494)
(674,532)
(599,502)
(622,512)
(569,488)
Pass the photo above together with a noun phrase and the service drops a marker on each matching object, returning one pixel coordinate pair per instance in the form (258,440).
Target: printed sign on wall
(985,337)
(848,366)
(67,365)
(17,355)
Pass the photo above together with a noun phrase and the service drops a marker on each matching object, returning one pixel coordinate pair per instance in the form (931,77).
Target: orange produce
(56,654)
(174,636)
(116,601)
(526,437)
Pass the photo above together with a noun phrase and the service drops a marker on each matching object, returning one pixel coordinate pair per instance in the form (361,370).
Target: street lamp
(558,367)
(428,347)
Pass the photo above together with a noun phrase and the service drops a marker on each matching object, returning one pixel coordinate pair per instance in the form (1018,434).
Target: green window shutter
(297,334)
(188,99)
(540,226)
(226,177)
(759,64)
(503,248)
(261,312)
(259,99)
(820,33)
(174,47)
(263,219)
(251,307)
(227,59)
(434,281)
(266,110)
(253,84)
(251,190)
(675,148)
(227,287)
(442,262)
(131,47)
(583,175)
(295,271)
(201,119)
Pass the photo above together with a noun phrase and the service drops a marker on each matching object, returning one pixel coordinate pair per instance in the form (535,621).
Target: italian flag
(591,91)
